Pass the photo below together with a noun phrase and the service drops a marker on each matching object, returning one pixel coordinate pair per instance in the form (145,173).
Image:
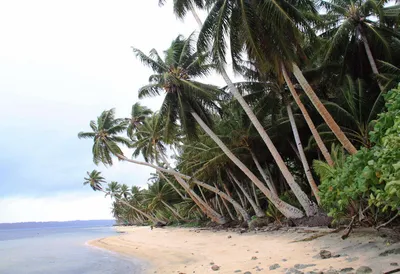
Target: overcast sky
(61,64)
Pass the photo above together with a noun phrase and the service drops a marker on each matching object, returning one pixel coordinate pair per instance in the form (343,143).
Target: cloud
(58,207)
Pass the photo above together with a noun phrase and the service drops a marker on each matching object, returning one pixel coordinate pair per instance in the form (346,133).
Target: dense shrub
(371,176)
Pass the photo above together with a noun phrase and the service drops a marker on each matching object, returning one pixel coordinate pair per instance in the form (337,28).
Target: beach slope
(179,250)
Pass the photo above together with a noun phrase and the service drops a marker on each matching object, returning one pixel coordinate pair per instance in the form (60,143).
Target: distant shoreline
(184,250)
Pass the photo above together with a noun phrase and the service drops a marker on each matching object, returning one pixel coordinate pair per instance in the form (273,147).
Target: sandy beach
(183,250)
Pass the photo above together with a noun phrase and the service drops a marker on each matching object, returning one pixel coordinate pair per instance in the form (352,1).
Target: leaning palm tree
(95,180)
(149,142)
(191,102)
(349,22)
(105,135)
(259,27)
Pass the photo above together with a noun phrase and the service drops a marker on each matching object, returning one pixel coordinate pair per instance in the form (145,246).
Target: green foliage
(371,176)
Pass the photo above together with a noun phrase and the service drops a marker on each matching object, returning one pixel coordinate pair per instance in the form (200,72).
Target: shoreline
(189,250)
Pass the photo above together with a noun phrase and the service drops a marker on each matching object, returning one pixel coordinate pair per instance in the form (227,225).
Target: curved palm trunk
(300,195)
(172,185)
(286,209)
(173,210)
(370,57)
(323,111)
(134,208)
(303,158)
(265,177)
(207,209)
(257,210)
(307,117)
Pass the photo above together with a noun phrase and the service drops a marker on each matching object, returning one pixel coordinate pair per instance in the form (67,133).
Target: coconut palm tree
(190,101)
(95,180)
(262,27)
(349,22)
(149,142)
(138,114)
(105,136)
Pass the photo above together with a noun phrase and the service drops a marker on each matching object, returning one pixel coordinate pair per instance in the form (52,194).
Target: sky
(61,64)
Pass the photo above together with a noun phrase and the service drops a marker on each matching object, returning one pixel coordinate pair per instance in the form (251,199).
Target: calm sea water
(60,250)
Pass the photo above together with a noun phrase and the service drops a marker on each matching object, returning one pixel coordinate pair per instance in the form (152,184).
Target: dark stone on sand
(336,256)
(347,269)
(391,251)
(254,258)
(274,266)
(363,269)
(302,266)
(237,271)
(159,224)
(247,272)
(394,264)
(332,271)
(229,236)
(294,271)
(284,260)
(215,267)
(325,254)
(318,220)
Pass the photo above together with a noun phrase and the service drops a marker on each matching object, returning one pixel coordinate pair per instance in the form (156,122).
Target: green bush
(371,176)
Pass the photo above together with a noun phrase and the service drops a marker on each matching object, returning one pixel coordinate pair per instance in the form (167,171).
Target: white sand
(177,250)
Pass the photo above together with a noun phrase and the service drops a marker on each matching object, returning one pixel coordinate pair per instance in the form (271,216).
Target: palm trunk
(303,158)
(202,195)
(286,209)
(257,210)
(266,179)
(323,111)
(307,117)
(172,185)
(208,210)
(253,188)
(228,209)
(300,195)
(134,208)
(173,210)
(370,58)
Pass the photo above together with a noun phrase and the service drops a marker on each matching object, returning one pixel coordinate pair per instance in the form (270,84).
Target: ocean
(40,248)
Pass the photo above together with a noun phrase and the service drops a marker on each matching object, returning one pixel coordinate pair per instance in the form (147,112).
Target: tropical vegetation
(312,128)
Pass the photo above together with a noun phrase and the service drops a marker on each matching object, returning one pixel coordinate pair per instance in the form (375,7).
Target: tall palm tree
(190,101)
(348,22)
(105,136)
(262,27)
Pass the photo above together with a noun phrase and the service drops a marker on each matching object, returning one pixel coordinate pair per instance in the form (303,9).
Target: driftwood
(388,222)
(392,271)
(350,227)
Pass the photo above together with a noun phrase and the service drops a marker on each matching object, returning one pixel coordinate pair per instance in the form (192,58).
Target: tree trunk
(266,179)
(172,185)
(303,158)
(370,58)
(286,209)
(173,210)
(134,208)
(307,117)
(323,111)
(253,188)
(208,210)
(300,195)
(257,210)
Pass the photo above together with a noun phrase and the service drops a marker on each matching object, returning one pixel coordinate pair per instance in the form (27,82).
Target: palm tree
(348,22)
(138,114)
(191,101)
(263,27)
(95,180)
(104,133)
(149,142)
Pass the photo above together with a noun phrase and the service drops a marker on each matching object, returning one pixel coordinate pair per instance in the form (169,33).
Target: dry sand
(182,250)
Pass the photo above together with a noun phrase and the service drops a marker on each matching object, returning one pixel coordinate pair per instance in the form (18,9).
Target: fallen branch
(388,222)
(350,227)
(319,235)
